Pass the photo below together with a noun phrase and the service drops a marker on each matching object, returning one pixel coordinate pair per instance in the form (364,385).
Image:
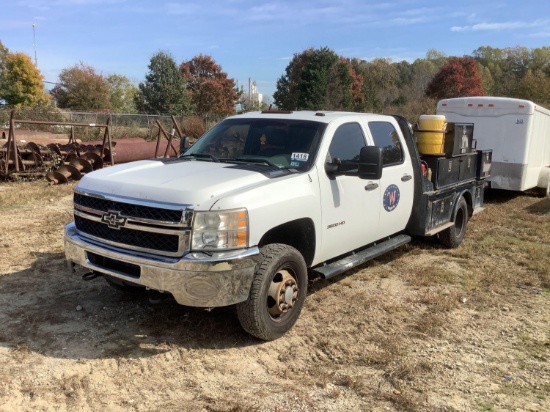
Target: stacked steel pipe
(61,163)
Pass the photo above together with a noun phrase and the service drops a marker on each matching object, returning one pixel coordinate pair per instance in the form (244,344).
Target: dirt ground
(420,329)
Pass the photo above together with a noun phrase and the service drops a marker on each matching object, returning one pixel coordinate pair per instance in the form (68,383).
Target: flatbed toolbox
(449,151)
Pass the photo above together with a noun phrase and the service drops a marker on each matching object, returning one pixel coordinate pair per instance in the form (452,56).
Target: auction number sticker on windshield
(301,157)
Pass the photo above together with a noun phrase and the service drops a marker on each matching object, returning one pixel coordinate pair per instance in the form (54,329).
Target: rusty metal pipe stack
(62,162)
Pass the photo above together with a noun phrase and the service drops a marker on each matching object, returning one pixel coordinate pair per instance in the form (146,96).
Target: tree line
(315,79)
(320,79)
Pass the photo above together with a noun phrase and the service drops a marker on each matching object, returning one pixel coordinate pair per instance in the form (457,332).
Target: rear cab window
(386,136)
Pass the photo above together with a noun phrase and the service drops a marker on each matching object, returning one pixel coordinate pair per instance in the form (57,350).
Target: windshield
(290,144)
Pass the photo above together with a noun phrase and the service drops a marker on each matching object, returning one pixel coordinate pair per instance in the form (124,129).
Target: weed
(485,405)
(20,352)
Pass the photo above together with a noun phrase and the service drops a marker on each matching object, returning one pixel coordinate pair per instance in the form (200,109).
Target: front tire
(452,236)
(277,294)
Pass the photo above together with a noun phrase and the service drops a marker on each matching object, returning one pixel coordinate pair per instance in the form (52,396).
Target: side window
(386,137)
(347,143)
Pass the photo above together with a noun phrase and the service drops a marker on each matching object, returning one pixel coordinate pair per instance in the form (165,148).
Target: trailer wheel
(545,191)
(277,295)
(452,236)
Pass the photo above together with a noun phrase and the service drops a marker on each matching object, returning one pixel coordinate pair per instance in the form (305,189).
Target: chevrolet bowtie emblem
(113,219)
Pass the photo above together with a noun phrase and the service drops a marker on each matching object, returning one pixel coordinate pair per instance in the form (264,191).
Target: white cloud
(511,25)
(540,34)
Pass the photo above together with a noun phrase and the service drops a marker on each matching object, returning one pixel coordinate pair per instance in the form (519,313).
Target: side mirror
(332,168)
(184,144)
(370,163)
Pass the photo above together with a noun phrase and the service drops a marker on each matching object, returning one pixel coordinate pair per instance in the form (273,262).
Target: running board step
(344,264)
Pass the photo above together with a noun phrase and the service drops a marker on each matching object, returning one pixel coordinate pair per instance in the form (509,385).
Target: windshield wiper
(256,160)
(202,156)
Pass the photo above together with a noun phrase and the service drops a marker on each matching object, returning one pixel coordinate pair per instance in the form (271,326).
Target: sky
(254,39)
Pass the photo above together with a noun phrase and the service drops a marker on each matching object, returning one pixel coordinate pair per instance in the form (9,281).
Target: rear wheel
(277,295)
(452,236)
(545,191)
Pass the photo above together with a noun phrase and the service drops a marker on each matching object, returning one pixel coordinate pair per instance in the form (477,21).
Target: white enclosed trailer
(518,132)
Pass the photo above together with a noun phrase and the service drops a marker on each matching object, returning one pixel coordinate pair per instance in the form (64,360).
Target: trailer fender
(544,181)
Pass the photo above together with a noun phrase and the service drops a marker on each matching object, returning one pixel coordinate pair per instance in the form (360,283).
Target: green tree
(541,60)
(487,80)
(380,83)
(438,58)
(21,83)
(163,91)
(534,86)
(3,56)
(122,94)
(81,88)
(319,80)
(507,67)
(209,88)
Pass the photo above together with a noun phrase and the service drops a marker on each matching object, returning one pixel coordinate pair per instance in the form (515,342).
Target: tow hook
(90,275)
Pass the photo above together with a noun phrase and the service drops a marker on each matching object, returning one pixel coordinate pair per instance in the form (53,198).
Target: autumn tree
(458,78)
(319,80)
(164,90)
(209,88)
(122,94)
(21,83)
(81,88)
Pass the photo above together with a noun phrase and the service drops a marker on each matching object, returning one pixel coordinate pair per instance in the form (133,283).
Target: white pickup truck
(263,200)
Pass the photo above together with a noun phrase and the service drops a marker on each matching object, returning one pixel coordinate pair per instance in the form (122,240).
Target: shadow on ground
(49,311)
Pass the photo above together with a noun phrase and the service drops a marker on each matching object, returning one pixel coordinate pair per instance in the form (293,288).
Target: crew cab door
(350,205)
(397,182)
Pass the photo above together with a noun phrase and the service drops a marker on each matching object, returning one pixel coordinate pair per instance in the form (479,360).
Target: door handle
(371,186)
(406,178)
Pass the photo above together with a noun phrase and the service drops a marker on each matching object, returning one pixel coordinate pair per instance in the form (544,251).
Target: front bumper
(197,279)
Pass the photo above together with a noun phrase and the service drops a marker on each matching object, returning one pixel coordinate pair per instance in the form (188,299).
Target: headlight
(220,230)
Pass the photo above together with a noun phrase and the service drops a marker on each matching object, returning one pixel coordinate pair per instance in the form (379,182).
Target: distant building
(253,95)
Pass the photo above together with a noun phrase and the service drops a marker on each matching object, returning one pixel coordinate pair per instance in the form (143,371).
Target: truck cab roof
(323,116)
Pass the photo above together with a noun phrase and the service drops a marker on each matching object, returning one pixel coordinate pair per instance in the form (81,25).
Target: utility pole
(34,45)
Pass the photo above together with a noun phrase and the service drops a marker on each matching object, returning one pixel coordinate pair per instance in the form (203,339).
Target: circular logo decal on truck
(391,197)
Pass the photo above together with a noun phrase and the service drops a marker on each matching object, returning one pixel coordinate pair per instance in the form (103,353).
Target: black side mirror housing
(370,163)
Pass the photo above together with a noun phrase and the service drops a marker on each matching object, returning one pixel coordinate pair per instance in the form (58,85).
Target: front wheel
(277,294)
(452,236)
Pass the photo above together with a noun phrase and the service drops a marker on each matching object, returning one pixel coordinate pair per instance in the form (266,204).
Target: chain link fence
(122,125)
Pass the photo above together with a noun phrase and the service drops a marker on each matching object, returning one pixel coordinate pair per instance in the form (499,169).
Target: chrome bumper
(197,279)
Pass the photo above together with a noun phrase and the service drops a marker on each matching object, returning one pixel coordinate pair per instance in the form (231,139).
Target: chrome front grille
(140,226)
(128,209)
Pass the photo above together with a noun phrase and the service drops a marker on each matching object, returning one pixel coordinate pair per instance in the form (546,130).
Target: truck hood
(193,183)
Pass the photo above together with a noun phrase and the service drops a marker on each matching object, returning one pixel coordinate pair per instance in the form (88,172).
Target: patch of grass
(406,401)
(432,275)
(484,405)
(16,195)
(20,352)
